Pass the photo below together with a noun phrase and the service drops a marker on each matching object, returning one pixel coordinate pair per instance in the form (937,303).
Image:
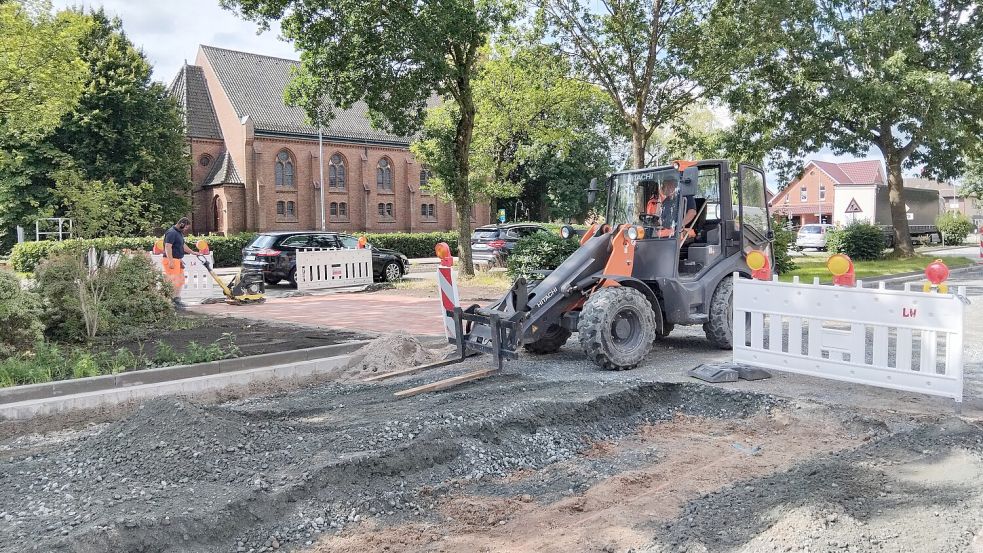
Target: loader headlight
(634,233)
(566,231)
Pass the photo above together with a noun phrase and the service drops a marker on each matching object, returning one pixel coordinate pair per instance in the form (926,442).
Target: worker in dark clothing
(668,199)
(175,249)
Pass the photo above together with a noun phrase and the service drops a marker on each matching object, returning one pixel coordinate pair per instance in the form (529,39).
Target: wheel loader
(639,273)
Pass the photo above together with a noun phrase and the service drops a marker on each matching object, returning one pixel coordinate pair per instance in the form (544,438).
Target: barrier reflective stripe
(899,339)
(447,284)
(319,269)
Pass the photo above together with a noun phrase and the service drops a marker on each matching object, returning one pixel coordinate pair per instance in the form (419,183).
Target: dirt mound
(391,352)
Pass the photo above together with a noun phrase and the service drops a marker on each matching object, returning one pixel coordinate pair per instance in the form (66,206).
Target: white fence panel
(899,339)
(318,269)
(198,284)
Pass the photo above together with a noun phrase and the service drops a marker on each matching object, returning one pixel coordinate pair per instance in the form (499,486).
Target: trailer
(869,203)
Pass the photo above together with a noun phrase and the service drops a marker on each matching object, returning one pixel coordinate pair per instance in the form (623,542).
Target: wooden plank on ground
(446,383)
(412,370)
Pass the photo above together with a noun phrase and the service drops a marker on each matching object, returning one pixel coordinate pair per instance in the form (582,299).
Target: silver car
(812,236)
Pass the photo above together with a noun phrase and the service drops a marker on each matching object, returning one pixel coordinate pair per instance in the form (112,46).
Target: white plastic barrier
(900,339)
(333,268)
(198,284)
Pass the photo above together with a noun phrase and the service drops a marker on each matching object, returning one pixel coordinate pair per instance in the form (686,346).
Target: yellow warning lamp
(202,246)
(444,253)
(842,268)
(757,261)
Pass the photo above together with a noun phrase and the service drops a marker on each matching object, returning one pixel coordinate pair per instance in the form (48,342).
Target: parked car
(491,244)
(275,254)
(812,236)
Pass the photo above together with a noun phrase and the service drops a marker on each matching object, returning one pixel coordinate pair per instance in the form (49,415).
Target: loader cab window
(703,248)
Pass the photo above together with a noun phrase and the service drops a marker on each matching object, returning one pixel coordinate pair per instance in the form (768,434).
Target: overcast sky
(169,31)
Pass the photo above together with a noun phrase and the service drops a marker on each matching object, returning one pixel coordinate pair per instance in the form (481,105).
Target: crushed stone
(390,352)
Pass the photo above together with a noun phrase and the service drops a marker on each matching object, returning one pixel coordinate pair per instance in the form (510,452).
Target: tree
(41,73)
(645,54)
(530,116)
(897,74)
(394,56)
(105,208)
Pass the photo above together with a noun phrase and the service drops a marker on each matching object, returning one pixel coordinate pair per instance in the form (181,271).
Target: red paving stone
(373,313)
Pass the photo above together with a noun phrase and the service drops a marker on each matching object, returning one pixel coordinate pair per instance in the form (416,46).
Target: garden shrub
(136,295)
(955,227)
(20,317)
(861,241)
(540,251)
(417,244)
(784,238)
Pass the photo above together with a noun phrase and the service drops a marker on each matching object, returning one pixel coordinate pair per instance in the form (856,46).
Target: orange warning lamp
(202,246)
(842,268)
(159,247)
(757,261)
(444,253)
(362,242)
(937,272)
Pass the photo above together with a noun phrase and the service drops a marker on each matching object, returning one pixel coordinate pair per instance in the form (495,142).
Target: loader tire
(551,342)
(720,328)
(617,328)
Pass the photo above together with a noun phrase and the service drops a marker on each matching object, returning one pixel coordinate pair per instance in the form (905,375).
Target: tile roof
(867,171)
(191,92)
(223,172)
(255,85)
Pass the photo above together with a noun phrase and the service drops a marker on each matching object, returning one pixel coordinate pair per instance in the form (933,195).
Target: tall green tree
(903,76)
(394,56)
(530,113)
(645,54)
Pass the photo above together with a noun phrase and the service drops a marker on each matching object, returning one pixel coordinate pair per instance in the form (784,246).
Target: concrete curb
(164,375)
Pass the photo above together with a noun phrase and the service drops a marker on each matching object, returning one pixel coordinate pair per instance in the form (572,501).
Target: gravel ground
(686,466)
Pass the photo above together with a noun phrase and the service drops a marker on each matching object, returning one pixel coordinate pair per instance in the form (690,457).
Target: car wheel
(271,280)
(292,278)
(392,272)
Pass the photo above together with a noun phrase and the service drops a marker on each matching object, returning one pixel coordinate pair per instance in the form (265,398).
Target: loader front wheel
(617,328)
(551,342)
(719,328)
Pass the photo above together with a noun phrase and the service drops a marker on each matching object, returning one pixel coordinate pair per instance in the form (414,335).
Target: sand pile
(391,352)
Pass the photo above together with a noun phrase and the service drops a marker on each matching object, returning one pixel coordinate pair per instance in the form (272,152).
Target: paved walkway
(379,312)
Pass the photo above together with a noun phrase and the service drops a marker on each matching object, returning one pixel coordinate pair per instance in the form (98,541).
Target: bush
(417,244)
(135,295)
(784,238)
(955,227)
(540,251)
(20,317)
(861,241)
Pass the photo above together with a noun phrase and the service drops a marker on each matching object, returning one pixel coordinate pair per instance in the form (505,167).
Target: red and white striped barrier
(447,285)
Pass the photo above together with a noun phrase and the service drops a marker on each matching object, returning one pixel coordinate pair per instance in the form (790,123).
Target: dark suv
(491,244)
(275,254)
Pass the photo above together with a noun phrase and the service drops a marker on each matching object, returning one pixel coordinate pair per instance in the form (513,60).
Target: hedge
(860,241)
(26,256)
(417,244)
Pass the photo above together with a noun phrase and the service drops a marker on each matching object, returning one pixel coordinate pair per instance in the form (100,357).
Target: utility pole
(320,159)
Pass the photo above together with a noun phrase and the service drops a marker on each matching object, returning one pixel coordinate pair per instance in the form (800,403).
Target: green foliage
(860,241)
(20,317)
(165,355)
(413,245)
(784,238)
(227,250)
(954,226)
(135,295)
(540,251)
(104,208)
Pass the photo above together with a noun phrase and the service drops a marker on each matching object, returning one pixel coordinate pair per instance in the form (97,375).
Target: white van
(812,236)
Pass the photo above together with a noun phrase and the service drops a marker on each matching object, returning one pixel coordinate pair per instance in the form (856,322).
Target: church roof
(191,92)
(223,172)
(255,83)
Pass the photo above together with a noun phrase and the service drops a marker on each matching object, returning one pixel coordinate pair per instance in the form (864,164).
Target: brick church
(256,160)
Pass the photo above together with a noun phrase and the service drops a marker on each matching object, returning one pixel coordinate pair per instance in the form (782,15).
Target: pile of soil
(391,352)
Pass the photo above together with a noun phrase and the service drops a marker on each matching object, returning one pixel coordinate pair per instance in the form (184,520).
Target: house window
(333,209)
(338,211)
(382,210)
(428,212)
(281,208)
(822,192)
(384,175)
(389,210)
(343,210)
(284,170)
(205,160)
(336,172)
(291,209)
(424,178)
(803,194)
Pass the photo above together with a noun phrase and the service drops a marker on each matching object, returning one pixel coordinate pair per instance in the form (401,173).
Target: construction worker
(174,251)
(668,201)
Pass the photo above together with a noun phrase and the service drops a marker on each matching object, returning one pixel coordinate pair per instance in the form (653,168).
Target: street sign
(501,215)
(854,207)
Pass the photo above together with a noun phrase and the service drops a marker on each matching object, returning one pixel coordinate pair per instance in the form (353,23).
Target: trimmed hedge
(27,256)
(954,226)
(417,244)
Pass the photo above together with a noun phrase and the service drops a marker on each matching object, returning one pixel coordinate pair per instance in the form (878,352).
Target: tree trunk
(462,190)
(637,147)
(899,214)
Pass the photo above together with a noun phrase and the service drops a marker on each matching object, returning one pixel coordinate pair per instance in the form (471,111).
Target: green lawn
(810,267)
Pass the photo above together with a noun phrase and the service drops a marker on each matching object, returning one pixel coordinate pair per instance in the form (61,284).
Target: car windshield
(262,241)
(811,229)
(485,234)
(629,192)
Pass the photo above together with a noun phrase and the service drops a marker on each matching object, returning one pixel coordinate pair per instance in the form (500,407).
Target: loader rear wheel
(617,328)
(719,329)
(551,342)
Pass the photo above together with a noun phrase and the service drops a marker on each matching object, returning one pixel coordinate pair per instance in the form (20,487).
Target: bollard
(447,286)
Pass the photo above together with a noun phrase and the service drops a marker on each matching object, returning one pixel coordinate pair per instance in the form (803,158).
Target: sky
(169,31)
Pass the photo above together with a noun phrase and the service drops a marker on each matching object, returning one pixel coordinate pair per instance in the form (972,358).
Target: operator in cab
(664,204)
